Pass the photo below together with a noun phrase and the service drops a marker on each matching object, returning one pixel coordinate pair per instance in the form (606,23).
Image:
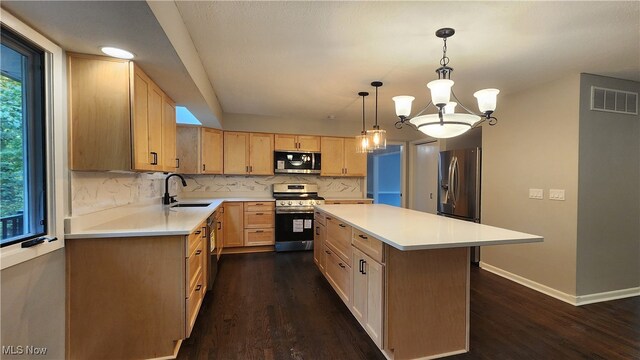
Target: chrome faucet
(166,199)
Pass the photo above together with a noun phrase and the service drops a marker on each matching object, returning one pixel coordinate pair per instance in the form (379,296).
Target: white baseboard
(571,299)
(568,298)
(607,296)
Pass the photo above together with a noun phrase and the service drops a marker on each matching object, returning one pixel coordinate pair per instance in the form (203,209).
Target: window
(23,197)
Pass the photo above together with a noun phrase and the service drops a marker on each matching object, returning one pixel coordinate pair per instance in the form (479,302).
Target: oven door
(294,231)
(296,162)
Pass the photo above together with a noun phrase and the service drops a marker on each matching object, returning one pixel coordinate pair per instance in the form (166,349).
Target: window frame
(55,133)
(34,139)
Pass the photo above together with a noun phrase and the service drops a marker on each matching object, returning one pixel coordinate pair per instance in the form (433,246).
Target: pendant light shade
(362,140)
(377,137)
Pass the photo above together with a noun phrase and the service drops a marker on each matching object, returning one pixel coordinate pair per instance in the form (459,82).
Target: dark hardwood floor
(278,306)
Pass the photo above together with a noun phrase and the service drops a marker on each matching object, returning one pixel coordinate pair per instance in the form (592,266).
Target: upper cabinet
(248,153)
(212,158)
(339,158)
(286,142)
(120,119)
(199,150)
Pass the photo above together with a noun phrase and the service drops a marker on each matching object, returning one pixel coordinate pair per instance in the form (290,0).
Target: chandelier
(446,123)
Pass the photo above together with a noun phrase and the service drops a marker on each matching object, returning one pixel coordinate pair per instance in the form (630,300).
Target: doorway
(385,175)
(423,183)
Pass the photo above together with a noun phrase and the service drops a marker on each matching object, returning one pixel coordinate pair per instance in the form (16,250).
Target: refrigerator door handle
(454,186)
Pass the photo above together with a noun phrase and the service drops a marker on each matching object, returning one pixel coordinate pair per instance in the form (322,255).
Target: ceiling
(310,59)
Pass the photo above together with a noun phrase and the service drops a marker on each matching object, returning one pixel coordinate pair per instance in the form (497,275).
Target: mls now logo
(23,350)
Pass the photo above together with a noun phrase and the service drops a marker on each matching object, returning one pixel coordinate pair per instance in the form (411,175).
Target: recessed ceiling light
(115,52)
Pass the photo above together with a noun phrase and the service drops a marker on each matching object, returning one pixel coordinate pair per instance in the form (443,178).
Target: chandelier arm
(464,107)
(424,109)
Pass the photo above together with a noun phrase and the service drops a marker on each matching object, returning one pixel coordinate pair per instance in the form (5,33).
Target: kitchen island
(404,274)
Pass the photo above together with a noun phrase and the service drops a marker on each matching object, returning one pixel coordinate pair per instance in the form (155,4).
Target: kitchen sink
(190,205)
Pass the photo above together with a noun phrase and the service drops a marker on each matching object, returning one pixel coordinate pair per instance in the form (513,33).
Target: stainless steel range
(294,215)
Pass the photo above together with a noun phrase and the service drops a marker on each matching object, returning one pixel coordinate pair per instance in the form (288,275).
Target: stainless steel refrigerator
(459,187)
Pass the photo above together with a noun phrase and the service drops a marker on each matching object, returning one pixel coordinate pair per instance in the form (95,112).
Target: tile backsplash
(95,191)
(261,186)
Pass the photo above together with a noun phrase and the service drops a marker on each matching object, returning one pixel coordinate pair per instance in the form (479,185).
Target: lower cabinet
(133,297)
(319,244)
(368,290)
(248,224)
(338,273)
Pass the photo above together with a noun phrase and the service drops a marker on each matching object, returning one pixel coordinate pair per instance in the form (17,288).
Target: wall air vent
(616,101)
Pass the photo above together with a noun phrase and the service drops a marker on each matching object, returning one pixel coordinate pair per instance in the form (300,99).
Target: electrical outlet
(537,194)
(556,194)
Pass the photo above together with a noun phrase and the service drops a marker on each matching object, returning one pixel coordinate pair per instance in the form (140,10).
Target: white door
(424,179)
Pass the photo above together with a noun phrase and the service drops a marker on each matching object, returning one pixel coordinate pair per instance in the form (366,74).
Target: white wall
(534,145)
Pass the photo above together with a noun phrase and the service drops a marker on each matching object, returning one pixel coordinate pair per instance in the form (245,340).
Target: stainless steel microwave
(291,162)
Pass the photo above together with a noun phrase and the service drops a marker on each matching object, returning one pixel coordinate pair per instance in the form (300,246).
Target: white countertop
(150,219)
(406,229)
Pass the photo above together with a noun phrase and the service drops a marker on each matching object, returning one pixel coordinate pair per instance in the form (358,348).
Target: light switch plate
(536,194)
(556,194)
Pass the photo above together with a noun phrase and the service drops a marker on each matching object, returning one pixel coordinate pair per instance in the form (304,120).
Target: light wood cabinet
(233,224)
(339,158)
(119,118)
(188,149)
(248,153)
(212,158)
(338,273)
(219,230)
(259,222)
(169,136)
(339,238)
(287,142)
(368,293)
(159,279)
(199,150)
(319,245)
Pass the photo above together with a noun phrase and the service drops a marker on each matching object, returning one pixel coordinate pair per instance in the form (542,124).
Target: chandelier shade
(440,91)
(403,105)
(451,124)
(487,99)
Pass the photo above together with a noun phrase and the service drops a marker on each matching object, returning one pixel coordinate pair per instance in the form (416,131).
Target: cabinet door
(332,156)
(211,151)
(169,140)
(233,224)
(258,237)
(155,105)
(354,163)
(375,294)
(236,152)
(100,126)
(142,157)
(308,143)
(261,154)
(285,142)
(338,273)
(318,246)
(359,281)
(188,149)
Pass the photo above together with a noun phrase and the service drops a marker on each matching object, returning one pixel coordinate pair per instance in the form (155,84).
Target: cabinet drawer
(339,238)
(195,238)
(253,220)
(259,206)
(194,268)
(338,272)
(255,237)
(320,218)
(193,303)
(368,244)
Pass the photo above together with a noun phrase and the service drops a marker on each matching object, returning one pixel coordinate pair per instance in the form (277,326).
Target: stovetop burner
(301,196)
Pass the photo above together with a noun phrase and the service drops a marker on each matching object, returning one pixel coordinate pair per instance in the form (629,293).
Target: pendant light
(377,137)
(446,122)
(362,141)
